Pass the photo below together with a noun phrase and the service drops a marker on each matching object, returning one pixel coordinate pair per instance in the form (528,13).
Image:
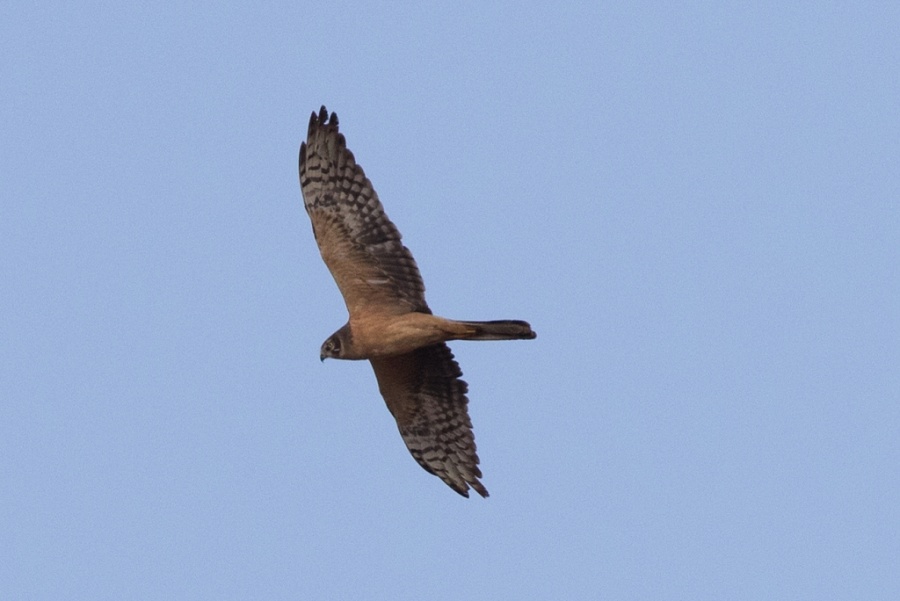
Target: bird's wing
(360,245)
(426,396)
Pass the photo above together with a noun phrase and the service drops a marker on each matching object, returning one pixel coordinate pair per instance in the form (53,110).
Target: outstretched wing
(426,396)
(360,245)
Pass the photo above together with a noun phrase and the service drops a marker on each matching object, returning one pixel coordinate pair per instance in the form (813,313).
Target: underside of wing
(360,245)
(426,396)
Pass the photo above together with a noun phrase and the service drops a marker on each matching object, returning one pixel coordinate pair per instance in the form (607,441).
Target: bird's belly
(397,335)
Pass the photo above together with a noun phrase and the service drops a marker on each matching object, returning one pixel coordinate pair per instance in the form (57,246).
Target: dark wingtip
(324,119)
(480,489)
(463,489)
(321,119)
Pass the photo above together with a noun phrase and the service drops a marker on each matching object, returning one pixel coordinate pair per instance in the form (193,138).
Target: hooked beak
(322,358)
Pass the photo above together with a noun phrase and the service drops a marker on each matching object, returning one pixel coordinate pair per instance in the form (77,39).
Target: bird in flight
(390,323)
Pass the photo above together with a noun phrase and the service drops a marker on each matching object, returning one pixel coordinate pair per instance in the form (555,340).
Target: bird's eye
(334,345)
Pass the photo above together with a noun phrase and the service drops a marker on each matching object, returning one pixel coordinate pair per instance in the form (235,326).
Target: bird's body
(390,323)
(392,335)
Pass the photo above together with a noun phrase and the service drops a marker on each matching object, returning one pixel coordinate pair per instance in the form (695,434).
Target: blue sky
(695,206)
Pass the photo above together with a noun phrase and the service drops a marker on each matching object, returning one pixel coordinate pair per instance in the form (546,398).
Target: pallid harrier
(390,324)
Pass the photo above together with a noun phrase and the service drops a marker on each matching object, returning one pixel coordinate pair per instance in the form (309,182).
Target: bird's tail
(503,329)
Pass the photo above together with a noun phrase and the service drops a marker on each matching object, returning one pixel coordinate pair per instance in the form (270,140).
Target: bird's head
(333,348)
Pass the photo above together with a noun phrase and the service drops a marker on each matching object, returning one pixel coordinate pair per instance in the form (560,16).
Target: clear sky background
(697,207)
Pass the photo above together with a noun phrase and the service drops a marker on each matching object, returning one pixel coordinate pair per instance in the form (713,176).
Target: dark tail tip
(504,329)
